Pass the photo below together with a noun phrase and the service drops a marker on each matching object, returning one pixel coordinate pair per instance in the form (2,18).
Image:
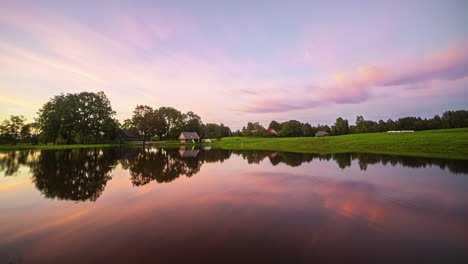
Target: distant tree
(341,127)
(127,124)
(307,130)
(237,133)
(455,119)
(145,121)
(435,123)
(254,129)
(225,131)
(274,125)
(211,130)
(173,122)
(291,128)
(192,122)
(10,129)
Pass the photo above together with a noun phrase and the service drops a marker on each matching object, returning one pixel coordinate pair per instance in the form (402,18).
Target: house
(272,131)
(322,134)
(189,137)
(127,135)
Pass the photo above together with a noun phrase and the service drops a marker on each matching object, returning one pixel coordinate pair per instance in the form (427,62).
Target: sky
(237,61)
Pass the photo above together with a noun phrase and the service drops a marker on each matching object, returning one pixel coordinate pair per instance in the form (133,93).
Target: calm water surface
(220,206)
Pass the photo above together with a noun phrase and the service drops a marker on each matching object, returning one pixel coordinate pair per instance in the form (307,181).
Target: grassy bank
(443,143)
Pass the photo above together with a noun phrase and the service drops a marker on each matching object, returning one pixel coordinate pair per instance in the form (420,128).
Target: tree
(455,119)
(192,122)
(145,122)
(95,117)
(10,129)
(274,125)
(254,129)
(211,130)
(77,118)
(173,122)
(341,127)
(307,130)
(225,131)
(291,128)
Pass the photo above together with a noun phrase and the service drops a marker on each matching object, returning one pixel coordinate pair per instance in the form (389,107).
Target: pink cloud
(447,65)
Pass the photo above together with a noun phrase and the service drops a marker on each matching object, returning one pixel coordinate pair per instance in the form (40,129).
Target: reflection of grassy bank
(443,143)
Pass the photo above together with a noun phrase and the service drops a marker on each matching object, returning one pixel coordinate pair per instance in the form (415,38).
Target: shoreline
(442,143)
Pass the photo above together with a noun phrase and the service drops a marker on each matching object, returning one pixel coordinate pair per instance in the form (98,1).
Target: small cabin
(127,135)
(322,134)
(189,137)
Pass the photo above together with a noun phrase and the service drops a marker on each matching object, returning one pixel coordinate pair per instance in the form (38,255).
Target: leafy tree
(225,131)
(192,122)
(173,122)
(307,130)
(254,129)
(145,122)
(455,119)
(77,118)
(10,129)
(211,130)
(274,125)
(291,128)
(341,127)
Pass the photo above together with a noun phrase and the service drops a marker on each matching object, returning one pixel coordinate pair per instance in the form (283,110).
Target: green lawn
(442,143)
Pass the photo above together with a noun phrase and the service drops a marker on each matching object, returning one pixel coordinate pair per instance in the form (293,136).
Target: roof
(322,133)
(189,135)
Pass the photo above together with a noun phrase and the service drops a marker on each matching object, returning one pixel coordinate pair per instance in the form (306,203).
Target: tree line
(88,118)
(294,128)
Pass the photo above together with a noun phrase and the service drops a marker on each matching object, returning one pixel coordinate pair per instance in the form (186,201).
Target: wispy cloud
(358,86)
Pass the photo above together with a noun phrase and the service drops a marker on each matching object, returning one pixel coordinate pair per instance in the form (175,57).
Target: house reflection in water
(188,153)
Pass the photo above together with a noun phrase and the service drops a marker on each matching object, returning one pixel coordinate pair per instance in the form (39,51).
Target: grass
(442,143)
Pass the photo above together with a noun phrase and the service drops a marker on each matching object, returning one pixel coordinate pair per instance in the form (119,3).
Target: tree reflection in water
(11,161)
(77,175)
(151,164)
(82,174)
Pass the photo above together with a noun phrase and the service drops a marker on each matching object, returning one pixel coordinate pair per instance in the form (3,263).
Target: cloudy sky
(239,61)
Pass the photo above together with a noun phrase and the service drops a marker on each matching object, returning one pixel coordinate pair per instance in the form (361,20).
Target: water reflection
(149,164)
(82,174)
(77,175)
(284,208)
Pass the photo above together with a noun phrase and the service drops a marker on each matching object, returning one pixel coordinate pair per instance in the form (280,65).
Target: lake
(134,205)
